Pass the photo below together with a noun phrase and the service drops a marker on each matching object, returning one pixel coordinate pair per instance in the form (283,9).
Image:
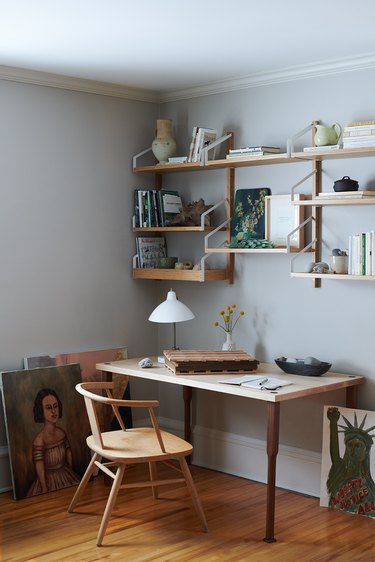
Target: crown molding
(76,84)
(289,74)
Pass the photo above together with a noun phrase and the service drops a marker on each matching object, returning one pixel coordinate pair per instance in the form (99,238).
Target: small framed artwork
(348,461)
(281,218)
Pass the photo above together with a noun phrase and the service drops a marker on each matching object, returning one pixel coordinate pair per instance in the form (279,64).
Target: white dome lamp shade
(171,311)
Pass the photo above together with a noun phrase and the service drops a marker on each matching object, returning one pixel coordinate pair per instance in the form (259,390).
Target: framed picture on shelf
(281,217)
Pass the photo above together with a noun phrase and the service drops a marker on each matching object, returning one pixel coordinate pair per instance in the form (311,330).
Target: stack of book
(359,134)
(201,138)
(153,208)
(252,151)
(361,260)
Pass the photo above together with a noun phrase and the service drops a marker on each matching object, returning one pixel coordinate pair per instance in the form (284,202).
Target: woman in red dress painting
(52,454)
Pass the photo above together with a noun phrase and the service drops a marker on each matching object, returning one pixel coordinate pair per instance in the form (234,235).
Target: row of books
(153,207)
(359,134)
(252,151)
(149,250)
(201,138)
(361,259)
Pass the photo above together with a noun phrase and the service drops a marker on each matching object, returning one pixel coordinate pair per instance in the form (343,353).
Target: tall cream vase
(164,145)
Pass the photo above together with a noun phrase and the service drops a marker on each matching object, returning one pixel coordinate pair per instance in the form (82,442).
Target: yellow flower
(216,323)
(234,306)
(222,312)
(241,313)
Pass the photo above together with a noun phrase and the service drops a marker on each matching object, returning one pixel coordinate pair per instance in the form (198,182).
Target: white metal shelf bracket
(136,156)
(305,248)
(290,141)
(206,149)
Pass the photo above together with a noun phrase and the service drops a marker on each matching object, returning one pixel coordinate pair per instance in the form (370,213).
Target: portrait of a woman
(51,451)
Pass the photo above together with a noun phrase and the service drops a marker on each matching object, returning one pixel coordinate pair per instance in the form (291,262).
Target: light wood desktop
(301,387)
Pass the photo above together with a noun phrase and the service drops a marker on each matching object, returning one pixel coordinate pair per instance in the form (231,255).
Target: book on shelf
(362,134)
(361,123)
(177,159)
(260,148)
(249,155)
(358,143)
(258,382)
(155,208)
(149,250)
(343,194)
(361,258)
(204,138)
(192,143)
(321,148)
(171,204)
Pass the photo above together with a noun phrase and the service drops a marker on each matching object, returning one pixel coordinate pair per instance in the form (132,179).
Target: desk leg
(351,396)
(273,419)
(187,393)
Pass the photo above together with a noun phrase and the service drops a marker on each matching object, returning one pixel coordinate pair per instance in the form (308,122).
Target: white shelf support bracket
(305,248)
(136,156)
(290,141)
(220,227)
(210,210)
(294,187)
(206,149)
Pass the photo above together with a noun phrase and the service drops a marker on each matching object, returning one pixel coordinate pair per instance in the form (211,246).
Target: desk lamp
(171,311)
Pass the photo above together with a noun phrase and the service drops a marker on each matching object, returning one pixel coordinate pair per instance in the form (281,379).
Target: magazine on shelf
(248,216)
(150,249)
(260,148)
(171,203)
(345,194)
(203,139)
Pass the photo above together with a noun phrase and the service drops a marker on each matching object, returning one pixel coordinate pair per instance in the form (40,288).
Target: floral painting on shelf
(248,217)
(47,426)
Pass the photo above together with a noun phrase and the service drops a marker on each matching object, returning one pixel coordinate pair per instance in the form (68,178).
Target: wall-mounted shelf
(181,275)
(335,276)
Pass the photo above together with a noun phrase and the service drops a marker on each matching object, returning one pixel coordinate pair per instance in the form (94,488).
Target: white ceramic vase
(163,145)
(229,344)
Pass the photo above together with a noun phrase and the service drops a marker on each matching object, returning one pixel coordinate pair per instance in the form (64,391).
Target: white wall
(284,316)
(66,244)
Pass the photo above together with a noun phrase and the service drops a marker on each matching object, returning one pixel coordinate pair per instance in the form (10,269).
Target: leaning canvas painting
(348,460)
(46,426)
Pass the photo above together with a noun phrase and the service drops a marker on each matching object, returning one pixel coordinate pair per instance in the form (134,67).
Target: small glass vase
(229,344)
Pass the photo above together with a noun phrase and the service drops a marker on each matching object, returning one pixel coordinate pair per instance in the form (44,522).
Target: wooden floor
(141,528)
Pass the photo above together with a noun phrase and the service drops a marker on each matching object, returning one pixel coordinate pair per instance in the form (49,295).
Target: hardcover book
(150,249)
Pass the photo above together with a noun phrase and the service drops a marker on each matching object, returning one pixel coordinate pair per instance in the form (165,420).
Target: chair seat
(139,445)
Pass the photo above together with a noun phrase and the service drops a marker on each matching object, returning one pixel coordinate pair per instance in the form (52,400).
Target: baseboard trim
(298,470)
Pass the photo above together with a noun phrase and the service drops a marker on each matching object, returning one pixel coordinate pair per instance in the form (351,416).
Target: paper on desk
(242,380)
(257,381)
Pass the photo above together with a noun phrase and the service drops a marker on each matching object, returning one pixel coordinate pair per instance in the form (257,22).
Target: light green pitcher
(327,135)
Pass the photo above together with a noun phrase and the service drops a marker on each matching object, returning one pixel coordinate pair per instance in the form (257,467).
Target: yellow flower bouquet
(229,318)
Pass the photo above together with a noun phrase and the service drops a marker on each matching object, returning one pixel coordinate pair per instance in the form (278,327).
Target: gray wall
(66,242)
(284,316)
(65,238)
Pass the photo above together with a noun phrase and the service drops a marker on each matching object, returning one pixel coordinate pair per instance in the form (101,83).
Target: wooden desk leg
(273,419)
(187,393)
(351,396)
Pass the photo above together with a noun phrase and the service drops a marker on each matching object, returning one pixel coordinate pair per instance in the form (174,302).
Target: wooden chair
(131,446)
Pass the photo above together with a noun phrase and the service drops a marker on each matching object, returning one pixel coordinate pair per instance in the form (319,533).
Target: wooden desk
(301,387)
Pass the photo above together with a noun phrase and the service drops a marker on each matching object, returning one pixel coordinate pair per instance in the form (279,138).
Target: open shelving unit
(315,203)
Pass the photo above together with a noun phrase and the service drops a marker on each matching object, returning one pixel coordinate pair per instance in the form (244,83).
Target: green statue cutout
(350,485)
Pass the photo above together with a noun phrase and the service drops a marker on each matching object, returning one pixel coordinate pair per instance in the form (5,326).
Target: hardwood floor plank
(142,529)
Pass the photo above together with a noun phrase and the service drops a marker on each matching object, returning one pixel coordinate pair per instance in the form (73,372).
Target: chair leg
(193,493)
(82,485)
(110,503)
(153,476)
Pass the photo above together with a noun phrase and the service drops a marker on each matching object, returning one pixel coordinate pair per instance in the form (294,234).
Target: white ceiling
(166,45)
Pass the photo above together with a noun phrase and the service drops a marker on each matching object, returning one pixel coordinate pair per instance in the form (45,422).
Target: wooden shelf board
(336,276)
(248,250)
(320,202)
(334,154)
(251,161)
(172,229)
(168,168)
(180,275)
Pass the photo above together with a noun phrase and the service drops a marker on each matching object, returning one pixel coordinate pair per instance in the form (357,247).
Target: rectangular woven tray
(208,361)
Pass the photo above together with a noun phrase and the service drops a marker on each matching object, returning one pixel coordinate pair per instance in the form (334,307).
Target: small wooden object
(209,361)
